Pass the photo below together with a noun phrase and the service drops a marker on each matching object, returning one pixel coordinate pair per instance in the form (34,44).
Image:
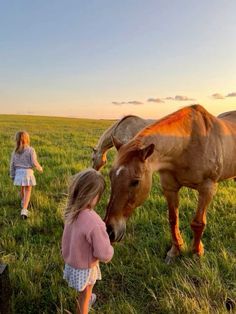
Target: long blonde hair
(84,187)
(22,140)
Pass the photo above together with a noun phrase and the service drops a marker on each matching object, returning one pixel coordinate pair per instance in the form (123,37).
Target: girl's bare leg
(83,300)
(27,194)
(22,192)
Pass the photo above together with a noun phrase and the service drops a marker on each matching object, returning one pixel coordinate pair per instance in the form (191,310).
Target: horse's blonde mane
(105,139)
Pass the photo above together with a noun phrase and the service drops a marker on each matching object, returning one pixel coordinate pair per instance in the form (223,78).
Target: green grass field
(137,280)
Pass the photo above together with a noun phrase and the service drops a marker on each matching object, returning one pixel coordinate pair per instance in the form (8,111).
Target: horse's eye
(134,183)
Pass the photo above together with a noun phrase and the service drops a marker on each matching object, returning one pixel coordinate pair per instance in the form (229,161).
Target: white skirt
(24,177)
(79,279)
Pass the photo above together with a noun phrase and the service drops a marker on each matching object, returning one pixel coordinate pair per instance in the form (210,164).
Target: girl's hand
(40,169)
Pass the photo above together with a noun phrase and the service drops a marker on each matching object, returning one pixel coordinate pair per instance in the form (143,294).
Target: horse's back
(229,116)
(129,126)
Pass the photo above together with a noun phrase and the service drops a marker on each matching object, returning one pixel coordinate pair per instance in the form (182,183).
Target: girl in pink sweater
(85,241)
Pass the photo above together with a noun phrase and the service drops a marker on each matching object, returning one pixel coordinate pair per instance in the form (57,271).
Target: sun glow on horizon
(81,64)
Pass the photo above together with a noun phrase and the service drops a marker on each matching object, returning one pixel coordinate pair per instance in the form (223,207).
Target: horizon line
(54,116)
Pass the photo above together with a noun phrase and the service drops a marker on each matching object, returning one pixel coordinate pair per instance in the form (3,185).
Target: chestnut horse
(123,130)
(189,147)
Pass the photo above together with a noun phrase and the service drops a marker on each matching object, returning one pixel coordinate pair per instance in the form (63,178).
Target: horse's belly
(229,159)
(189,177)
(228,172)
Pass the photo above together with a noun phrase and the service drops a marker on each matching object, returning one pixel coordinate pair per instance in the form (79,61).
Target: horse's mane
(105,139)
(169,122)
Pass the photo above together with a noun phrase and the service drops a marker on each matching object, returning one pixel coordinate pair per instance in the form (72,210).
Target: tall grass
(137,280)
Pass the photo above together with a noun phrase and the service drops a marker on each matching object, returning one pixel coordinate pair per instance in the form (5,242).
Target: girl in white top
(23,160)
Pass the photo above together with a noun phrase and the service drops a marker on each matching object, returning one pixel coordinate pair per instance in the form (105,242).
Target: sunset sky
(106,59)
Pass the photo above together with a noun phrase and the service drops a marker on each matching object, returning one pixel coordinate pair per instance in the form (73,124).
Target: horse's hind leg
(177,241)
(206,192)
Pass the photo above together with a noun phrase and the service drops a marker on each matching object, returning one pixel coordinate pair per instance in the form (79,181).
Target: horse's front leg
(206,193)
(177,241)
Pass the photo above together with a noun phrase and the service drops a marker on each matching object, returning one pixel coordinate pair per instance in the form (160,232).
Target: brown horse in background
(123,129)
(189,148)
(229,115)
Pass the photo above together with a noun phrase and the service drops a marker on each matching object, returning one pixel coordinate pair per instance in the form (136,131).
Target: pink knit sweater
(85,241)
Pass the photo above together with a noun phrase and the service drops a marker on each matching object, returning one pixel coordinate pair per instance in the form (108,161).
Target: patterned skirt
(24,177)
(79,279)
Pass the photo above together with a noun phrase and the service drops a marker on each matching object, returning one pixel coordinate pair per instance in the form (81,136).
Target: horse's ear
(117,143)
(146,152)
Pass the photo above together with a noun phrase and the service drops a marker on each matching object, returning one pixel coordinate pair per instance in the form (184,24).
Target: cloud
(134,102)
(182,98)
(118,103)
(217,96)
(231,95)
(156,100)
(179,98)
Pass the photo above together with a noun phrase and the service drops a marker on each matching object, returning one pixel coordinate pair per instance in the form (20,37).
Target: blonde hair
(84,187)
(22,140)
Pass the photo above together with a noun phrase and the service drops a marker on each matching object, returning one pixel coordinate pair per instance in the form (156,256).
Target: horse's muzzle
(116,235)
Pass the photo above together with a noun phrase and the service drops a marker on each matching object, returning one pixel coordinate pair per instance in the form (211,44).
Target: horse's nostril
(111,233)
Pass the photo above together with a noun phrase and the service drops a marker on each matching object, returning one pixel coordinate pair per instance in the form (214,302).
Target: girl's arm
(12,167)
(102,248)
(35,162)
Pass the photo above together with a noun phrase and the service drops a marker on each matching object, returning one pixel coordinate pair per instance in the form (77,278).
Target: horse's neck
(105,141)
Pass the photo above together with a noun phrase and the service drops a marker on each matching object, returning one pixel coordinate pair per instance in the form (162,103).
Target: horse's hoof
(198,254)
(197,257)
(169,260)
(198,250)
